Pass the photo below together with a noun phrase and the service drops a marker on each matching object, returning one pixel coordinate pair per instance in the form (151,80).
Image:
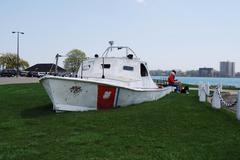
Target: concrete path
(19,80)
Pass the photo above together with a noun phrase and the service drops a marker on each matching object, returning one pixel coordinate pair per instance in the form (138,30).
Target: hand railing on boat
(105,53)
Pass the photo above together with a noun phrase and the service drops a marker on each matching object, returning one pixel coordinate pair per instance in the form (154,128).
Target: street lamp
(18,32)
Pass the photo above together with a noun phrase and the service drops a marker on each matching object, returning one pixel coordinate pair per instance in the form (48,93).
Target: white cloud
(140,1)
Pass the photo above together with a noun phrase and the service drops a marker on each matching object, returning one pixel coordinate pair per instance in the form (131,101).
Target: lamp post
(18,32)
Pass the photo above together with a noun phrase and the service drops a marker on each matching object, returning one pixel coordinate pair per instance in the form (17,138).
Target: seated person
(173,82)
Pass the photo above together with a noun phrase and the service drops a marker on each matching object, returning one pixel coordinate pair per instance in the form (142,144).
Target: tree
(74,59)
(9,61)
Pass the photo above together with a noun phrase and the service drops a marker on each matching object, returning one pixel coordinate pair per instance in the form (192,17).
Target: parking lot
(18,80)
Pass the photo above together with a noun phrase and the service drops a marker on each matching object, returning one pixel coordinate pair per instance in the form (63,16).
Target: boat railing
(109,49)
(114,79)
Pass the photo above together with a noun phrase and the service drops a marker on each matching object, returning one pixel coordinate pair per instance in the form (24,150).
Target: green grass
(174,127)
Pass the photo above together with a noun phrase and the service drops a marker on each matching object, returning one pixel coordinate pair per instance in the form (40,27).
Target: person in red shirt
(173,82)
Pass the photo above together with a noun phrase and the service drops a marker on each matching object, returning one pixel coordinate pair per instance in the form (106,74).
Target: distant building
(206,72)
(227,69)
(45,67)
(237,74)
(216,73)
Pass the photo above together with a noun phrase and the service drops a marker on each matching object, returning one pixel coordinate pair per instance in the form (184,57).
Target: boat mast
(105,53)
(103,76)
(82,70)
(111,44)
(56,65)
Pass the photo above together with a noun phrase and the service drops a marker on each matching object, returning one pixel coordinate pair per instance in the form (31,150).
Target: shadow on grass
(37,111)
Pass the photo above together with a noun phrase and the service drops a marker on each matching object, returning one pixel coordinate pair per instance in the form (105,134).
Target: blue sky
(179,34)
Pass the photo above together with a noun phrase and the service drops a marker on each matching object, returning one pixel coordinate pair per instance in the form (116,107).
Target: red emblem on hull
(106,96)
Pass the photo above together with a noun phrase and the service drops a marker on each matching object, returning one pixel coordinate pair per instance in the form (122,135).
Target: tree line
(72,61)
(9,61)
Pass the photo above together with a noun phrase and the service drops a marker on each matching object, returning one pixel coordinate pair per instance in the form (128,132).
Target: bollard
(207,90)
(238,106)
(216,102)
(199,88)
(202,96)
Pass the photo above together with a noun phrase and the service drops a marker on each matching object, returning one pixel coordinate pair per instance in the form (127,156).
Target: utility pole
(18,32)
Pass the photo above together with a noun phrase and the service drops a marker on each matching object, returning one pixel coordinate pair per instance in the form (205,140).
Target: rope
(51,68)
(223,101)
(207,94)
(218,88)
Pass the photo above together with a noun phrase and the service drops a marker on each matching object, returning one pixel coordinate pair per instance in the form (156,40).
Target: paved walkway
(19,80)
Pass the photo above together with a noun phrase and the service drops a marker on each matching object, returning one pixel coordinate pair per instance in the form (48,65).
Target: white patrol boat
(104,82)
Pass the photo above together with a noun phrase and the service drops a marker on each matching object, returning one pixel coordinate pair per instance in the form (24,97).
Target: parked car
(36,74)
(8,73)
(23,73)
(32,74)
(41,74)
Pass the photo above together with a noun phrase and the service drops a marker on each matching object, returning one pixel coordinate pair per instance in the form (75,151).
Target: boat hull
(69,94)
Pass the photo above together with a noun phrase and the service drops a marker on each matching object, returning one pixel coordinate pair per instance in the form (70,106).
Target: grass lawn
(174,127)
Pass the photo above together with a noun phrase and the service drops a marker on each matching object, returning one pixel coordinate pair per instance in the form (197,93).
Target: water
(212,81)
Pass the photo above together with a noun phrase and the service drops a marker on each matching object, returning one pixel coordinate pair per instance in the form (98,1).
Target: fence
(217,100)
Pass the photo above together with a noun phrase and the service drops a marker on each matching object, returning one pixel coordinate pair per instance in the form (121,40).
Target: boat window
(86,67)
(128,68)
(144,72)
(107,66)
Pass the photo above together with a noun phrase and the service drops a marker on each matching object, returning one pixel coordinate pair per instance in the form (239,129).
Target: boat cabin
(127,70)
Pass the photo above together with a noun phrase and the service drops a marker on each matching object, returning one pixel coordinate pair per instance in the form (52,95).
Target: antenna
(111,44)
